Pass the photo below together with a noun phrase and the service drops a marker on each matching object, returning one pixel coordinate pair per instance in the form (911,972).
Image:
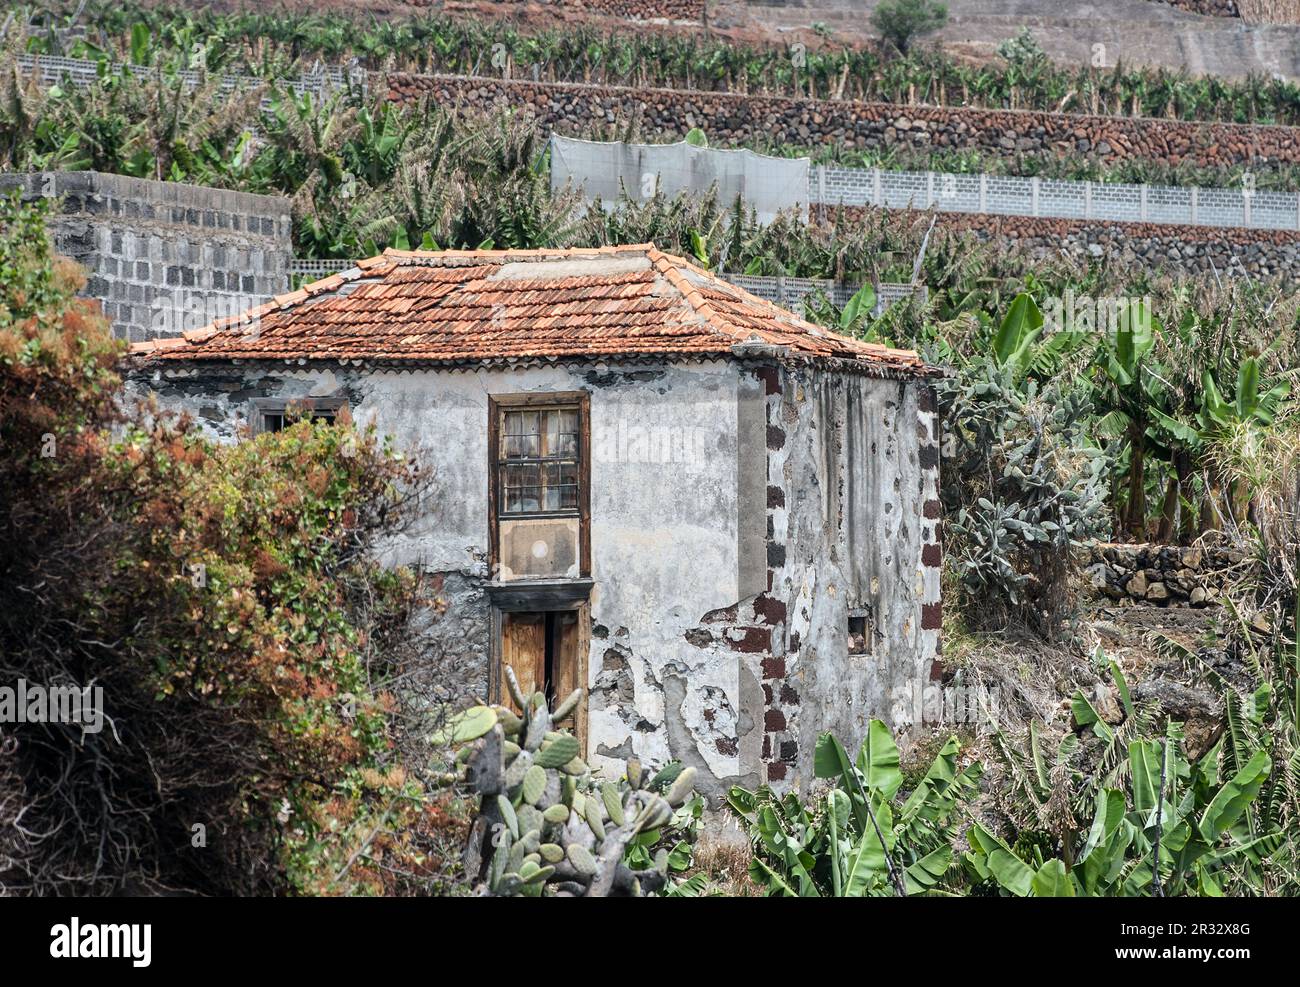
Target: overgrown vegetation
(1158,825)
(365,174)
(1024,485)
(902,22)
(224,600)
(860,838)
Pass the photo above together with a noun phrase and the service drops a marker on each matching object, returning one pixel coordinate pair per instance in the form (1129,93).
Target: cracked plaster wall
(668,547)
(855,461)
(738,512)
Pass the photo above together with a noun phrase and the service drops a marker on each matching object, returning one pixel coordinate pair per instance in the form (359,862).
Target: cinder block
(130,235)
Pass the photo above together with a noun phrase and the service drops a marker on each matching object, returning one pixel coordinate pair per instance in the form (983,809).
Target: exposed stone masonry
(1165,575)
(732,119)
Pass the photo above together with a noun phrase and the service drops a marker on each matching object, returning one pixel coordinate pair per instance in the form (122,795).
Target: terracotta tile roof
(461,306)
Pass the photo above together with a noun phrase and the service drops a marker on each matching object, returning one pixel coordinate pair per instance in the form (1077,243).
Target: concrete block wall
(164,257)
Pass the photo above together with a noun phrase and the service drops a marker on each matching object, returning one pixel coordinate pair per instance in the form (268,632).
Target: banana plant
(858,311)
(860,838)
(1129,390)
(374,151)
(1177,830)
(1250,409)
(1249,406)
(1025,345)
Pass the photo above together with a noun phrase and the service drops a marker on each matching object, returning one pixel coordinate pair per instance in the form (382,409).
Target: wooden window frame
(498,405)
(278,406)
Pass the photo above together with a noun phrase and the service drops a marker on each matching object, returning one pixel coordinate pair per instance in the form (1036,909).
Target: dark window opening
(275,421)
(860,633)
(548,674)
(274,415)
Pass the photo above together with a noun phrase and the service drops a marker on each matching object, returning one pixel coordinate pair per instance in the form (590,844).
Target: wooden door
(548,652)
(567,668)
(523,648)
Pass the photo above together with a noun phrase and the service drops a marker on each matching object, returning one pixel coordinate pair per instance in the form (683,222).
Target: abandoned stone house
(719,518)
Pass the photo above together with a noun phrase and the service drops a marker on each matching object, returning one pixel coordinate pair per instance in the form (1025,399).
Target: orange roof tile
(461,306)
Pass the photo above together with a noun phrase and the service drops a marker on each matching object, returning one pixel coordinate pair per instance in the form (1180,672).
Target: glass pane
(551,436)
(561,486)
(551,424)
(521,488)
(569,487)
(567,444)
(521,422)
(552,487)
(522,435)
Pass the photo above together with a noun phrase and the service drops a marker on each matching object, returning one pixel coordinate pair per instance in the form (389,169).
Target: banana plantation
(270,46)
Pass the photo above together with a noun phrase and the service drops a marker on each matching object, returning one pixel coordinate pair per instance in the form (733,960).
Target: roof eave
(766,354)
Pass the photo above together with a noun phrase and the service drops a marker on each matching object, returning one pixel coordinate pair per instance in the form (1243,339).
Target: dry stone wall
(1165,575)
(1179,249)
(732,120)
(640,10)
(1210,8)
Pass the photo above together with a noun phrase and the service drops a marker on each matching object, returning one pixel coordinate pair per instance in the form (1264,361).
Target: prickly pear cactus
(545,825)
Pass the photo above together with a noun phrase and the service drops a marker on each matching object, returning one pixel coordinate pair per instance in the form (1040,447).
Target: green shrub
(1024,484)
(223,598)
(860,838)
(900,22)
(1206,823)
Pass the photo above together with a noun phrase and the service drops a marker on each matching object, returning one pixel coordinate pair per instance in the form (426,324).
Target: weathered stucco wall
(738,510)
(667,547)
(856,532)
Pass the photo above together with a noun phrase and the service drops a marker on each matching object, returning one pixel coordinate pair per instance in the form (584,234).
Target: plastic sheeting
(604,170)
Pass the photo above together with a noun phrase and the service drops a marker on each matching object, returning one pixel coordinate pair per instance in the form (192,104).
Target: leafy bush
(224,601)
(900,22)
(1194,820)
(1205,823)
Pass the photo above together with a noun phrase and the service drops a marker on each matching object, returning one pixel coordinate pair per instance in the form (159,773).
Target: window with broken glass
(537,464)
(274,415)
(275,421)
